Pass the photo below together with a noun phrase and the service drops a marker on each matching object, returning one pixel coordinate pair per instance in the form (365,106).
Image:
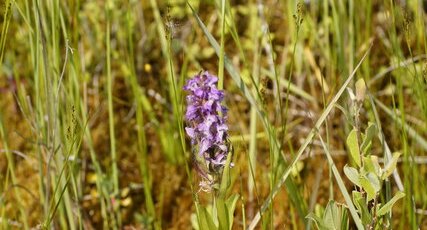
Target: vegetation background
(91,107)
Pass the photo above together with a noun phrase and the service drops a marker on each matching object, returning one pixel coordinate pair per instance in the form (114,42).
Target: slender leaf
(222,213)
(391,165)
(387,207)
(231,206)
(370,132)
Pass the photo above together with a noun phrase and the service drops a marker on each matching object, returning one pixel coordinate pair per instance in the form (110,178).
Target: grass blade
(307,142)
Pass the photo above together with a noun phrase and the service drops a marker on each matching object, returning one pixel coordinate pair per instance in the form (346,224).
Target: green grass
(92,130)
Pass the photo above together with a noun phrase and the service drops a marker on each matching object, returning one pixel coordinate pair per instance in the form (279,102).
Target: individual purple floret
(206,120)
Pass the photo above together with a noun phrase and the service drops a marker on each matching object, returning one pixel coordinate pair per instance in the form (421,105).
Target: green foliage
(386,208)
(371,165)
(334,217)
(220,215)
(353,175)
(216,217)
(362,207)
(225,210)
(391,166)
(353,146)
(205,220)
(370,185)
(368,175)
(370,133)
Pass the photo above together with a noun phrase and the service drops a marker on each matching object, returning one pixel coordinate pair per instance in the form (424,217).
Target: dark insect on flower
(206,124)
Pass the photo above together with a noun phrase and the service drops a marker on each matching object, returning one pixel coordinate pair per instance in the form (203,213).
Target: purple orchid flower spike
(206,122)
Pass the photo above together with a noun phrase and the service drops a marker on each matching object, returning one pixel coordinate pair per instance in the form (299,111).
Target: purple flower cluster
(206,120)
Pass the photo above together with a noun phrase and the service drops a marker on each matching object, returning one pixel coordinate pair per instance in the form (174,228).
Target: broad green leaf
(370,164)
(194,221)
(368,187)
(375,182)
(206,221)
(387,207)
(318,221)
(225,210)
(353,146)
(222,214)
(360,203)
(377,166)
(391,165)
(333,216)
(231,206)
(370,133)
(352,174)
(329,215)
